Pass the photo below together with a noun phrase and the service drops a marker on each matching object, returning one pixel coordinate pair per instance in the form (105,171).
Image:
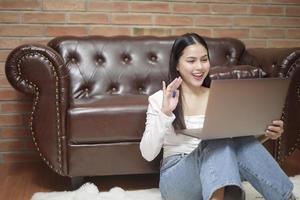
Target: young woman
(192,169)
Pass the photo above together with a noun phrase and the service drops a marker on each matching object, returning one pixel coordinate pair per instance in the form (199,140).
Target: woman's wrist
(263,138)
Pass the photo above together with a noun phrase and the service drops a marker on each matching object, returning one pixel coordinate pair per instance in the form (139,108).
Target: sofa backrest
(128,65)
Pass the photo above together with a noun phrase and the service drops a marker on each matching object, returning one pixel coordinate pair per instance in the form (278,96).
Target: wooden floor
(20,181)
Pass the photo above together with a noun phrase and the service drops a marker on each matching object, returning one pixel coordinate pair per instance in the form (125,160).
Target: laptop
(241,107)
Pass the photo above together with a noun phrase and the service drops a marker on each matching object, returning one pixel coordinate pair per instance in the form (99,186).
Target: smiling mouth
(198,76)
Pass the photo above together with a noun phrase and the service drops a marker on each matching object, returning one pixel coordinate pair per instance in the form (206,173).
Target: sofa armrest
(288,64)
(290,140)
(40,71)
(268,59)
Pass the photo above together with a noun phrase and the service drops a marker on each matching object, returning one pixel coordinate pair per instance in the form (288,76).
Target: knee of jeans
(220,142)
(212,145)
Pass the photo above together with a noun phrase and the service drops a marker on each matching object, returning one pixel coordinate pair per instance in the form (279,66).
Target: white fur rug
(89,191)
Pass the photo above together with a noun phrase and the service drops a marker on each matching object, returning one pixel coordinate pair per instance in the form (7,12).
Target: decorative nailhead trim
(281,158)
(36,102)
(298,92)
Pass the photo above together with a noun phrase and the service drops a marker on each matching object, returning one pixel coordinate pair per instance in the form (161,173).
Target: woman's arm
(159,118)
(157,125)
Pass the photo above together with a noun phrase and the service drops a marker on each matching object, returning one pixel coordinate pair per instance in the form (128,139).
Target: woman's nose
(199,65)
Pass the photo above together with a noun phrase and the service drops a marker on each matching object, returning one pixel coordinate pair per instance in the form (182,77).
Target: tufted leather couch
(90,96)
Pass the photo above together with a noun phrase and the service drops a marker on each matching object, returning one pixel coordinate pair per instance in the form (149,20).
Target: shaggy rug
(89,191)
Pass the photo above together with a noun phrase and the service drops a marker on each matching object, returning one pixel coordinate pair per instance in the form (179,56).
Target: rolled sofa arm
(40,71)
(290,139)
(268,59)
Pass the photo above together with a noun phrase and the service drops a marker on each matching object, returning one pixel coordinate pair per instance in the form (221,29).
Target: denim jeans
(219,163)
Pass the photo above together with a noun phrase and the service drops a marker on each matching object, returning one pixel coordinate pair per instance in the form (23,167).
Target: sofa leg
(76,182)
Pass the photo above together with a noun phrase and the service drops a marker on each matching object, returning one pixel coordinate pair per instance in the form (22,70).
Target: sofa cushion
(113,118)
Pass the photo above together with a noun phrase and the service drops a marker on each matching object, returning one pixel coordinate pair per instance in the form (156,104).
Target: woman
(192,169)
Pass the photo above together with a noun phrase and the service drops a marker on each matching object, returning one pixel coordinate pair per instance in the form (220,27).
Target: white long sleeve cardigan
(159,132)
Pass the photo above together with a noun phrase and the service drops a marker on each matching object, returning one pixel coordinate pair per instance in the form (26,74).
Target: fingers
(174,85)
(172,88)
(178,83)
(278,123)
(272,135)
(275,130)
(170,96)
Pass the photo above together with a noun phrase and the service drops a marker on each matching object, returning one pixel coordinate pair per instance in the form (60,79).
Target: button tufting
(112,88)
(141,90)
(153,58)
(126,58)
(100,59)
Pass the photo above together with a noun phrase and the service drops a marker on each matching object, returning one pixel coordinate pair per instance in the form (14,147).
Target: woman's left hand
(275,130)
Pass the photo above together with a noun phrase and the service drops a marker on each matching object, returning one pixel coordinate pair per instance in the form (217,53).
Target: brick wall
(259,23)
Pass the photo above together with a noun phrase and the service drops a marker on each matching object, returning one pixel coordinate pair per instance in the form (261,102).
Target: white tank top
(178,143)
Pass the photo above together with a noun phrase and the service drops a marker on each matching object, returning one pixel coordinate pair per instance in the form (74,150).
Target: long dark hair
(176,52)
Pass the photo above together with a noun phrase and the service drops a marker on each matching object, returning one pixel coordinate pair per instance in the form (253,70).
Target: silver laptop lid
(241,107)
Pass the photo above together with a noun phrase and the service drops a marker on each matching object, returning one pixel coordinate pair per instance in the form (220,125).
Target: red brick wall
(259,23)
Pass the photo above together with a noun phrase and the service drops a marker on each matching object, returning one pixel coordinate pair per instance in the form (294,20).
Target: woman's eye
(204,60)
(190,61)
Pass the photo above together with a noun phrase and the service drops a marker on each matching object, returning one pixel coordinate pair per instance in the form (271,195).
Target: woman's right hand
(170,96)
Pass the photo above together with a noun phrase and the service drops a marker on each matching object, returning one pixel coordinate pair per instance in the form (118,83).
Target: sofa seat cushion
(112,118)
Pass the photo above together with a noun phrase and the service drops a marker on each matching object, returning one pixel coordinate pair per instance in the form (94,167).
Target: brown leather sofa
(90,96)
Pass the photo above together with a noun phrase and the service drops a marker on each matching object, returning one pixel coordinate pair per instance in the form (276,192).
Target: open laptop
(241,107)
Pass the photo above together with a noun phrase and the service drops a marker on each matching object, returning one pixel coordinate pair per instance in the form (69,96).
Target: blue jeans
(224,162)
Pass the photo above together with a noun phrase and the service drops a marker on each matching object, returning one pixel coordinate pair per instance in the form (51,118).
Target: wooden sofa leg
(76,182)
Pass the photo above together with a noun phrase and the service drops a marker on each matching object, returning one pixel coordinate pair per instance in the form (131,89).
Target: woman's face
(193,65)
